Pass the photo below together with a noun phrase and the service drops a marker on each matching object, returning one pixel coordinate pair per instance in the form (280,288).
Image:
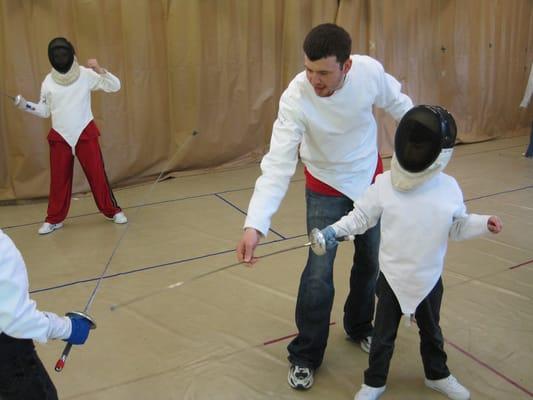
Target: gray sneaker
(300,378)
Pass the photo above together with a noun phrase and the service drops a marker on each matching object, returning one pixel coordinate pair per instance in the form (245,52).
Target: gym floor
(224,336)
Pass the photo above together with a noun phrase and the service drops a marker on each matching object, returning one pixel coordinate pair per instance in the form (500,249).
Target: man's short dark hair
(327,40)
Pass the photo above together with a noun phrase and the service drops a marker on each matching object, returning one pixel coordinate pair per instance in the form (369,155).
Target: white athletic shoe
(366,343)
(450,387)
(300,378)
(120,218)
(47,228)
(369,393)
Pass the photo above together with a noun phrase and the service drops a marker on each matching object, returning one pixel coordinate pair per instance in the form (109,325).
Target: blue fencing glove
(330,237)
(80,329)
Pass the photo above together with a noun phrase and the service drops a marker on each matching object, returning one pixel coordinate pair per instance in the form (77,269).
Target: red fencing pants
(61,172)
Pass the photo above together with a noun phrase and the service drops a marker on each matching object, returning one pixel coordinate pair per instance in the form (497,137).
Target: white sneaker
(366,343)
(120,218)
(47,228)
(300,378)
(369,393)
(450,387)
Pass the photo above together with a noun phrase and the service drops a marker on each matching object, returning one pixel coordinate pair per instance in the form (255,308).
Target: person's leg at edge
(316,291)
(61,171)
(90,156)
(22,374)
(359,305)
(388,315)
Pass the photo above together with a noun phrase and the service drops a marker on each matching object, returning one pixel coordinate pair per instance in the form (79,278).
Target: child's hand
(494,224)
(330,236)
(19,102)
(93,64)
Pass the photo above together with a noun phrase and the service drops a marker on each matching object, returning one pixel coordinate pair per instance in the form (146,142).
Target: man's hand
(494,224)
(93,64)
(246,247)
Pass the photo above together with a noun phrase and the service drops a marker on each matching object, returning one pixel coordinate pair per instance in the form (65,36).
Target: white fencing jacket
(19,317)
(336,136)
(70,106)
(415,226)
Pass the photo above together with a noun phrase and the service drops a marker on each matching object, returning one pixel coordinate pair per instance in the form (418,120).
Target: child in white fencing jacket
(420,207)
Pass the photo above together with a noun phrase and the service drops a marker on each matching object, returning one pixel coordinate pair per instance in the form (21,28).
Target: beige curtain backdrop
(201,79)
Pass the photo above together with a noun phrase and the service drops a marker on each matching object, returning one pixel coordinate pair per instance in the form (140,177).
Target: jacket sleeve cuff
(60,327)
(262,227)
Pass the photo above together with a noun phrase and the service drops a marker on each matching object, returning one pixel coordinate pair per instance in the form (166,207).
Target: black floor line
(244,213)
(487,151)
(228,191)
(219,253)
(169,176)
(218,195)
(503,192)
(147,204)
(166,264)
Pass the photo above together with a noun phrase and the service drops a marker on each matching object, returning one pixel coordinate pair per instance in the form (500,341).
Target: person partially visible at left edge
(66,96)
(22,374)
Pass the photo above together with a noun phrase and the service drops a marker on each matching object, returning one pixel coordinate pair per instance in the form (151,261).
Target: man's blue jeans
(315,295)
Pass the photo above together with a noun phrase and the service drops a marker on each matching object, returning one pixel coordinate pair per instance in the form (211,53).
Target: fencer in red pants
(66,97)
(61,170)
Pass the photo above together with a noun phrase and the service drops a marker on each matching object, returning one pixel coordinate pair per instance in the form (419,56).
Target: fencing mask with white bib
(62,56)
(423,146)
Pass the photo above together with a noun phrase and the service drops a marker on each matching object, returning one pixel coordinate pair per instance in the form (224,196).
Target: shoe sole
(378,396)
(115,222)
(299,387)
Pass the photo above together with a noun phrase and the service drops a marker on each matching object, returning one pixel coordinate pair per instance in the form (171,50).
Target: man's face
(326,75)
